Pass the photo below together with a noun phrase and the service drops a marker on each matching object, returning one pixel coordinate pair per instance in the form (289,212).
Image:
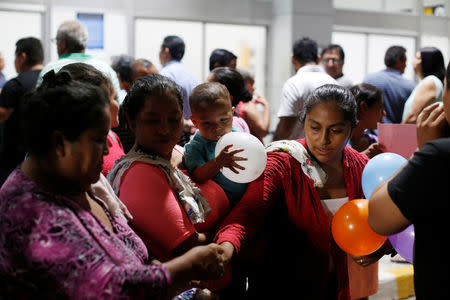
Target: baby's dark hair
(367,93)
(234,82)
(207,94)
(60,104)
(86,73)
(147,86)
(330,92)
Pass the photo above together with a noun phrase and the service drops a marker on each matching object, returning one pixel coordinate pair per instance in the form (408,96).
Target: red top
(115,152)
(158,217)
(301,223)
(241,109)
(241,112)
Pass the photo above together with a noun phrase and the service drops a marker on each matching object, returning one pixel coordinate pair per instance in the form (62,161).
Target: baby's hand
(228,159)
(374,149)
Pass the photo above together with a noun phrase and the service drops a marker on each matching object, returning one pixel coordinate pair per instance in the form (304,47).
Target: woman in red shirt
(170,213)
(293,202)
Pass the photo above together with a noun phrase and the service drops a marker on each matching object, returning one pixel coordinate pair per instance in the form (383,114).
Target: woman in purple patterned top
(369,100)
(57,239)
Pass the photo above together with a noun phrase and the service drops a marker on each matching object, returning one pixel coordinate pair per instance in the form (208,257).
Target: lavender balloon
(403,243)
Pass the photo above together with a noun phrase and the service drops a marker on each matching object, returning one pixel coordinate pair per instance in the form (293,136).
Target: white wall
(248,43)
(25,24)
(364,52)
(149,34)
(354,45)
(115,30)
(440,42)
(284,20)
(378,5)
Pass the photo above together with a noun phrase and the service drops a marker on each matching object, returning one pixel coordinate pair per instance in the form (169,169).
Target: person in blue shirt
(170,56)
(395,88)
(212,114)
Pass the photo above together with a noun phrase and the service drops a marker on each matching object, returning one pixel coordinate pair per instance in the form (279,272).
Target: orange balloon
(351,230)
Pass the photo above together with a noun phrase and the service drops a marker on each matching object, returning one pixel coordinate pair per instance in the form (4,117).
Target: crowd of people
(111,187)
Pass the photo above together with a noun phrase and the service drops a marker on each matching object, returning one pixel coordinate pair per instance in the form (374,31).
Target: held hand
(227,159)
(374,149)
(228,251)
(430,124)
(367,260)
(155,262)
(188,126)
(206,261)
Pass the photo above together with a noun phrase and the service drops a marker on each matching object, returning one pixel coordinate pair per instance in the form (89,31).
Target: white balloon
(253,150)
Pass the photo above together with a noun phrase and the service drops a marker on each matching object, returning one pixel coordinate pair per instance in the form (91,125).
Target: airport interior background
(259,32)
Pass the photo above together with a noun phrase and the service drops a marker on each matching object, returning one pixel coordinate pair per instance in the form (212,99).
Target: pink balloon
(403,243)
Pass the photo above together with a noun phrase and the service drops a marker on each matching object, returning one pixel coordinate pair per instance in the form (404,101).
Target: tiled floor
(395,280)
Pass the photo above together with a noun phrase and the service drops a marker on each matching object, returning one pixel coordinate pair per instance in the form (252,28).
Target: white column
(291,20)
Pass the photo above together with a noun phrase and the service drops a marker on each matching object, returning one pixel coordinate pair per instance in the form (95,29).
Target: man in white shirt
(296,90)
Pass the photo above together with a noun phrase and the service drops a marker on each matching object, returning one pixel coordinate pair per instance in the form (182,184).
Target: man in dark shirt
(418,194)
(28,63)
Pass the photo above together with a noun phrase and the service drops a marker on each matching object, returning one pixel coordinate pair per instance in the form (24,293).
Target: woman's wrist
(178,268)
(228,251)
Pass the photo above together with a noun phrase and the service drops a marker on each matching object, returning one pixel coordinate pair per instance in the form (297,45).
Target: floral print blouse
(53,248)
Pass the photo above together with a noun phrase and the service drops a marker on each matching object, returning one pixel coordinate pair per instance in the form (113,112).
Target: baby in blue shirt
(212,114)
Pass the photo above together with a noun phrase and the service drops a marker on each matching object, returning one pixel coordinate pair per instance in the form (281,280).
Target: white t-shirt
(297,89)
(333,205)
(344,81)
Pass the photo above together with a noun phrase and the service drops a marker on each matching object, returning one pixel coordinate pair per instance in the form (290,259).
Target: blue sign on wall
(94,24)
